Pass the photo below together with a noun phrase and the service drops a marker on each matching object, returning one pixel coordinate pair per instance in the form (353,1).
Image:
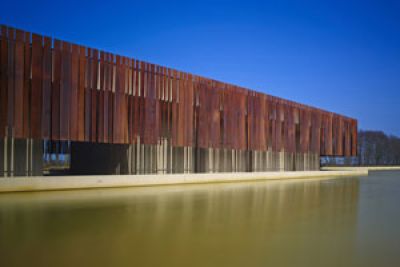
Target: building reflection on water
(296,223)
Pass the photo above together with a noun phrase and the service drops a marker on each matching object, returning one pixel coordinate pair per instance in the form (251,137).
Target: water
(318,222)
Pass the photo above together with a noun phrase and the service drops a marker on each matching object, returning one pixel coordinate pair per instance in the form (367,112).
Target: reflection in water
(292,223)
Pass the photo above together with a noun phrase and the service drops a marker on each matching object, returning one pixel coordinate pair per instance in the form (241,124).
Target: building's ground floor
(28,157)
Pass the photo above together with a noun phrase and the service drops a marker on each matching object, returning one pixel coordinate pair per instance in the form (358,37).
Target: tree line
(378,148)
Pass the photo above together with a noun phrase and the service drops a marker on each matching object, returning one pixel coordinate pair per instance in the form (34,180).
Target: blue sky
(343,56)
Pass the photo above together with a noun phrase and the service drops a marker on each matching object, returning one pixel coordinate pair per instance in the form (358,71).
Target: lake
(310,222)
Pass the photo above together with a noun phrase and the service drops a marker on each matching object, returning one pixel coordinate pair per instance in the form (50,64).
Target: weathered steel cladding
(55,90)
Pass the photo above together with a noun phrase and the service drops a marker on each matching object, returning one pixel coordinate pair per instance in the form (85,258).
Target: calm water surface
(318,222)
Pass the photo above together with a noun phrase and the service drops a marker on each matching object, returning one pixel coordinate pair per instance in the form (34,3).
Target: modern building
(70,109)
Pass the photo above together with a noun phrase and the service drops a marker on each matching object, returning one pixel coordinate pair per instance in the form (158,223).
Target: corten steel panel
(273,122)
(291,130)
(228,115)
(189,112)
(81,95)
(162,104)
(47,76)
(335,134)
(27,84)
(334,131)
(295,125)
(130,118)
(181,109)
(303,120)
(104,116)
(286,128)
(347,148)
(323,134)
(250,119)
(339,136)
(55,92)
(195,112)
(330,135)
(221,87)
(164,107)
(19,84)
(203,126)
(328,140)
(127,91)
(174,110)
(11,80)
(214,117)
(36,94)
(150,107)
(93,91)
(279,128)
(110,116)
(261,118)
(123,104)
(140,97)
(100,114)
(135,103)
(257,122)
(148,102)
(223,116)
(133,130)
(74,132)
(107,89)
(117,120)
(164,119)
(242,120)
(283,126)
(304,130)
(158,107)
(266,123)
(354,138)
(315,132)
(169,105)
(88,96)
(65,91)
(235,131)
(155,107)
(3,81)
(233,121)
(130,101)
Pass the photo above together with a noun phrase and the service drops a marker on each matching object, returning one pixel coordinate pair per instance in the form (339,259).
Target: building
(71,109)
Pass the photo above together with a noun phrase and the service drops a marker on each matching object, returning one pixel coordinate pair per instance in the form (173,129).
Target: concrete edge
(371,168)
(27,184)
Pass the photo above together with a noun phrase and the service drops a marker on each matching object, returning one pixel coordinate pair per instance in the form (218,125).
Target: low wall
(103,181)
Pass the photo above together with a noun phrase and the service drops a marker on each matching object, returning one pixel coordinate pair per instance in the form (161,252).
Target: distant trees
(377,148)
(374,148)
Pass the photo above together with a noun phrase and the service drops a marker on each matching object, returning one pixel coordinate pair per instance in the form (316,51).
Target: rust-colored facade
(58,91)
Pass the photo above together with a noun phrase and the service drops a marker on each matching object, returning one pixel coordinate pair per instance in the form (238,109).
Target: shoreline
(54,183)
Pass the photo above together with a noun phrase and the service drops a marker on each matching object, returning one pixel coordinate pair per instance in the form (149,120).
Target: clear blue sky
(343,56)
